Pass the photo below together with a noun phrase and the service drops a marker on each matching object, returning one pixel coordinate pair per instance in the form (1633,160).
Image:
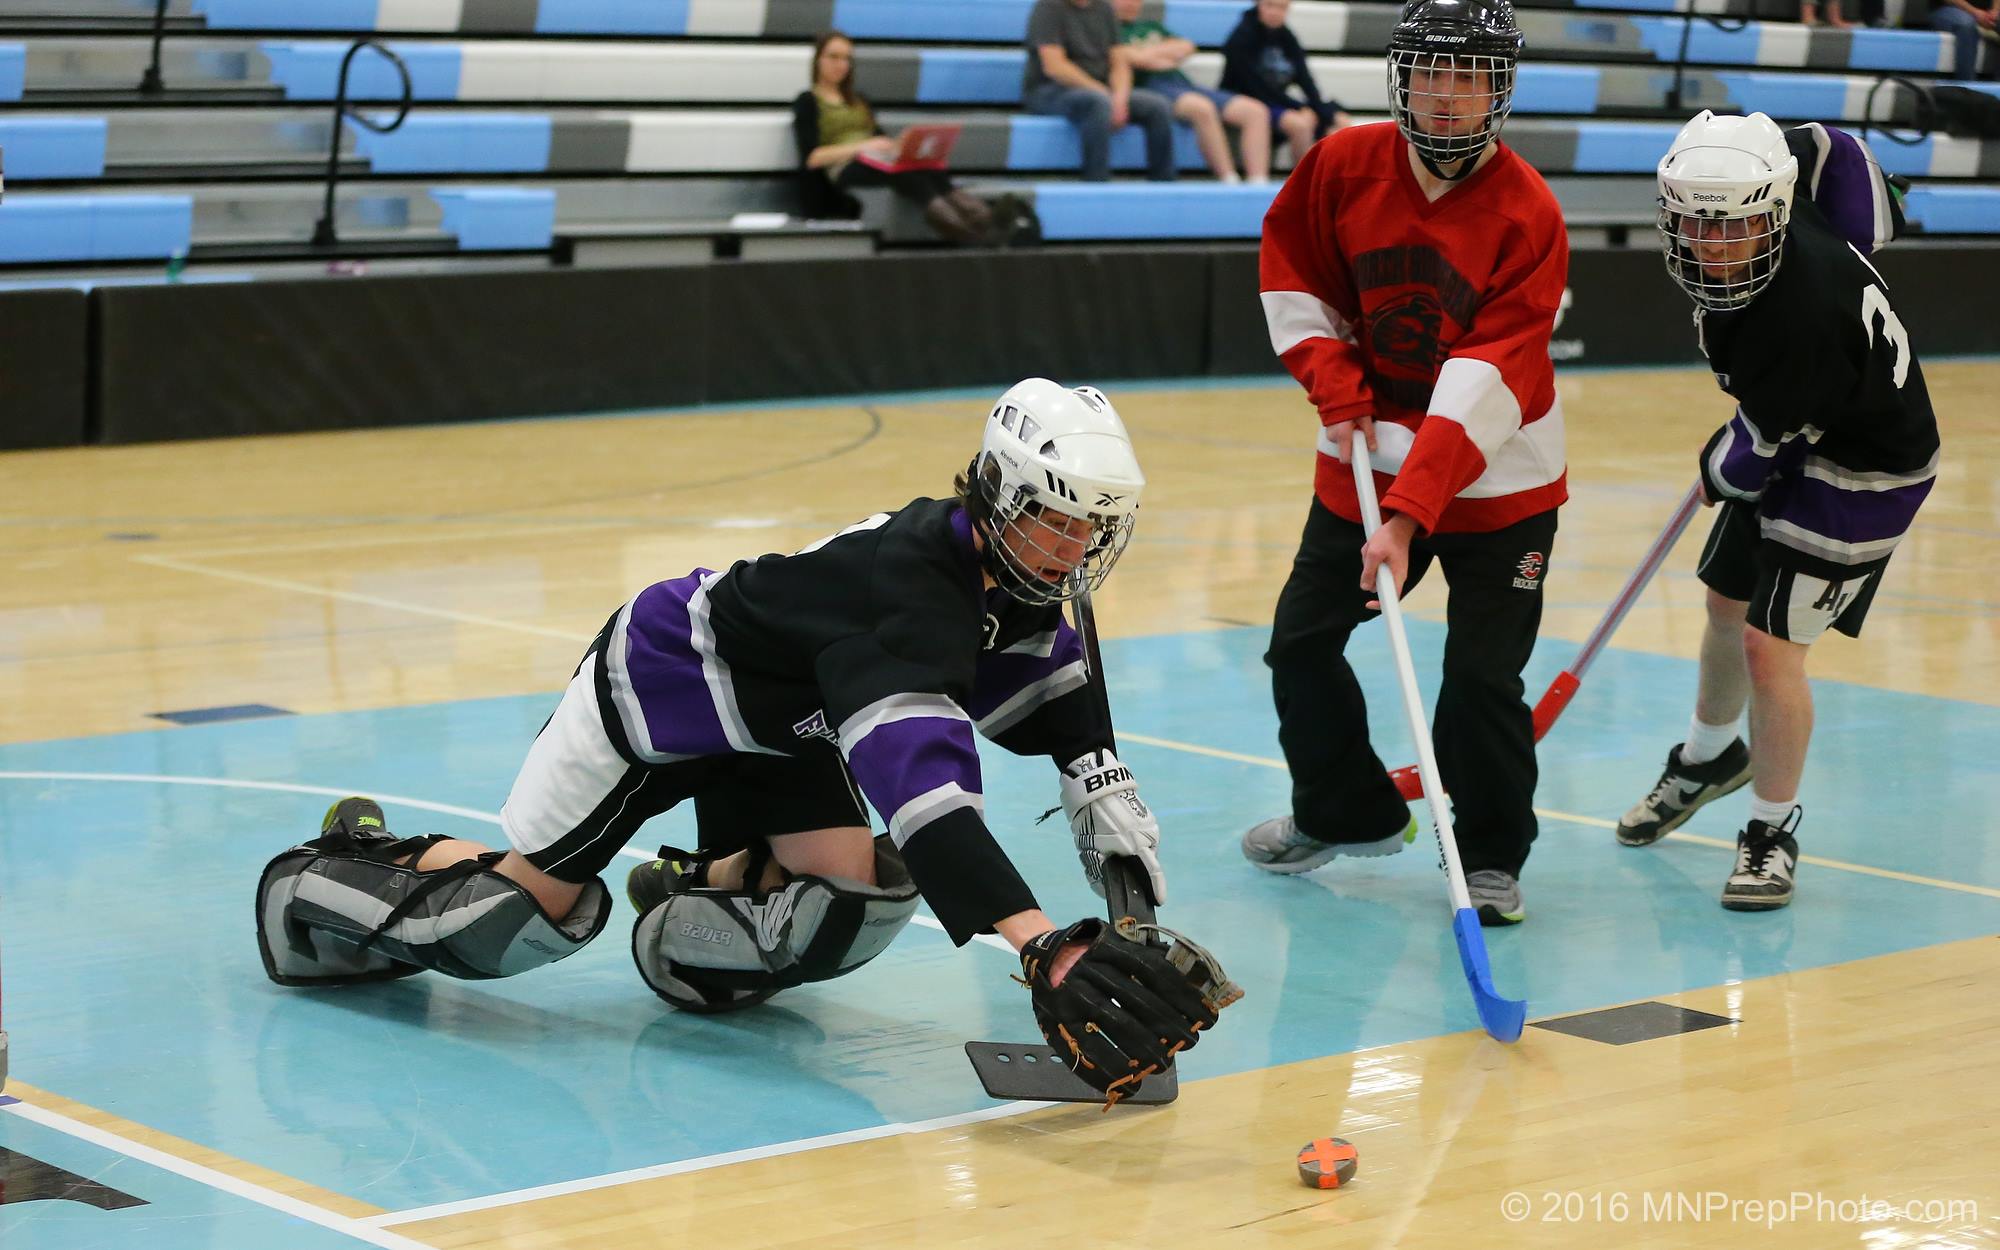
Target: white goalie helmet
(1726,189)
(1055,488)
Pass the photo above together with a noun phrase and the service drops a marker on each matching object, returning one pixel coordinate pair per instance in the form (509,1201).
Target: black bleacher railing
(323,232)
(150,82)
(1921,110)
(1728,24)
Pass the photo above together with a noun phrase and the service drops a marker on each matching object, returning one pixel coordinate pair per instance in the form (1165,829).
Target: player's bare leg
(846,852)
(556,897)
(1725,676)
(1781,718)
(1781,713)
(1713,761)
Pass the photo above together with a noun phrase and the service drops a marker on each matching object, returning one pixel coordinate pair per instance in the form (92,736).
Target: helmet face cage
(1744,252)
(1450,105)
(1025,536)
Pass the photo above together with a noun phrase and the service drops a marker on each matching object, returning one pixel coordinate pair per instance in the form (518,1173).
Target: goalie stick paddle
(1567,682)
(1503,1017)
(1033,1072)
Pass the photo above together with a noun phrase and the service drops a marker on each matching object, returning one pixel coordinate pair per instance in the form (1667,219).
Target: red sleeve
(1497,376)
(1309,300)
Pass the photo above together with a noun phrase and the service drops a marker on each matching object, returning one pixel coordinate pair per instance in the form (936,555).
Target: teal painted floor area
(179,1213)
(133,983)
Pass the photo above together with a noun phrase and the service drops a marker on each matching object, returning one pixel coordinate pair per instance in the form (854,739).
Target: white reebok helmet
(1048,449)
(1726,195)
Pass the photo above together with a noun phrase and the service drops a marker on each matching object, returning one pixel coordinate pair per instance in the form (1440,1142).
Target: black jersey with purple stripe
(878,642)
(1833,436)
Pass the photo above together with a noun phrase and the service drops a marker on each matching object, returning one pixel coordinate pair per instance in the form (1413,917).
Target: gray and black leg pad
(337,917)
(711,950)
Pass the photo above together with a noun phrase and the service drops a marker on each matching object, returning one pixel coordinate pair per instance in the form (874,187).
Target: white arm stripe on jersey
(1031,696)
(1472,393)
(1295,316)
(894,708)
(912,816)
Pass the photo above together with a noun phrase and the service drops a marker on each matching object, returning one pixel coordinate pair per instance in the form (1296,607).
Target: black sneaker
(1681,791)
(1766,857)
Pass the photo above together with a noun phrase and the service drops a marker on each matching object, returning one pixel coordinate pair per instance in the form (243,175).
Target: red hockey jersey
(1434,317)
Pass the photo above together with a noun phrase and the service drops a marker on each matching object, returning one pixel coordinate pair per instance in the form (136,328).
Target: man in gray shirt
(1078,69)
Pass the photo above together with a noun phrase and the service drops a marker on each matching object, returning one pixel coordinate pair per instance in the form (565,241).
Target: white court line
(1163,743)
(448,809)
(377,539)
(374,601)
(357,1229)
(1840,865)
(584,1184)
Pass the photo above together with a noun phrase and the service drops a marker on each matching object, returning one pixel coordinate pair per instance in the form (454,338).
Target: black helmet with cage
(1451,78)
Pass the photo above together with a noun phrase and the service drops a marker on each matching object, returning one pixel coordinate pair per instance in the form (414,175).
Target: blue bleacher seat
(459,143)
(498,218)
(1195,210)
(13,70)
(1939,209)
(311,71)
(625,17)
(94,227)
(53,147)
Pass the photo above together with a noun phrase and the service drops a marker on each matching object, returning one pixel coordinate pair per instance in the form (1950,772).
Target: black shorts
(1785,602)
(582,793)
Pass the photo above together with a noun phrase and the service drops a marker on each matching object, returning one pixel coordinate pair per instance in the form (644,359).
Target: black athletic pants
(1483,731)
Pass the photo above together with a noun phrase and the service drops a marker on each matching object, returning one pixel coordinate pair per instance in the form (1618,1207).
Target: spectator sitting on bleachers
(1077,69)
(1156,54)
(1264,60)
(834,126)
(1963,21)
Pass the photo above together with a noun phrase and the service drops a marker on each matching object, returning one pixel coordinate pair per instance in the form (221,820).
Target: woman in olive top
(833,125)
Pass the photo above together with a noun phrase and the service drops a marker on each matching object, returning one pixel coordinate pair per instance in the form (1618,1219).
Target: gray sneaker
(1682,790)
(1496,896)
(1277,846)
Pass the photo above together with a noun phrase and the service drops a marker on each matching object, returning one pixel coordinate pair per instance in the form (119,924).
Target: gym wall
(145,363)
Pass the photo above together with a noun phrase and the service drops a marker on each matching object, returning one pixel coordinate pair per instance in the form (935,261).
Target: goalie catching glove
(1124,1008)
(1107,817)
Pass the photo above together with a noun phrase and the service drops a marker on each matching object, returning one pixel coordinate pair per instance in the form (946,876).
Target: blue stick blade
(1503,1017)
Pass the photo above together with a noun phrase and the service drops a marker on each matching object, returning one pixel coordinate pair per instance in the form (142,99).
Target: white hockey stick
(1503,1017)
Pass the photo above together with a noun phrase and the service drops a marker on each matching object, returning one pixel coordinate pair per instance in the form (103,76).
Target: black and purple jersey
(1833,436)
(878,642)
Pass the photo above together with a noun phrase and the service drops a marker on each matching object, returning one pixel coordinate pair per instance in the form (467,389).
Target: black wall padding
(198,361)
(1946,297)
(44,365)
(915,322)
(1238,342)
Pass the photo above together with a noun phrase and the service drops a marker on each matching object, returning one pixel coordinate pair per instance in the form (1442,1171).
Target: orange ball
(1327,1163)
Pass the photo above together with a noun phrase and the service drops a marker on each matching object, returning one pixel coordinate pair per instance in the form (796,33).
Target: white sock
(1232,176)
(1705,742)
(1771,813)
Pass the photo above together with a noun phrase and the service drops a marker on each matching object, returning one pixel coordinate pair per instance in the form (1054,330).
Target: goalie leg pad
(348,915)
(709,950)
